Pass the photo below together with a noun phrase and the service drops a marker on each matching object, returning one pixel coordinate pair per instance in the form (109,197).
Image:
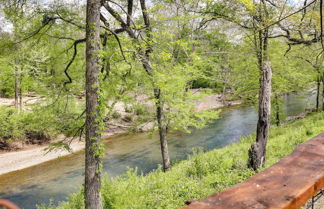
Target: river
(57,178)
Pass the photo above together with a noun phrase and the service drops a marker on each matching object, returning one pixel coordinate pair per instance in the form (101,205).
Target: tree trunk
(20,92)
(144,55)
(318,82)
(16,88)
(257,152)
(224,95)
(93,161)
(277,110)
(146,61)
(323,91)
(162,130)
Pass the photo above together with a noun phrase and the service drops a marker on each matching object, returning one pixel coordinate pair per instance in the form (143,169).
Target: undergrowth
(37,125)
(199,176)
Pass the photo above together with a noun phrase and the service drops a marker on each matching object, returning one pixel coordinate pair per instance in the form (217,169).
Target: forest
(164,101)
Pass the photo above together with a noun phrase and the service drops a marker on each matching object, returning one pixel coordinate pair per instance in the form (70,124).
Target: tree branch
(75,52)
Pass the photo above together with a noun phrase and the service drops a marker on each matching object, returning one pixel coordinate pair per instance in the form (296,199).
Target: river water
(58,178)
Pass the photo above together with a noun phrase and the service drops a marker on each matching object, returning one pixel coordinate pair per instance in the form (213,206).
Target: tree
(15,12)
(257,19)
(316,64)
(93,167)
(257,152)
(304,36)
(289,74)
(161,56)
(254,17)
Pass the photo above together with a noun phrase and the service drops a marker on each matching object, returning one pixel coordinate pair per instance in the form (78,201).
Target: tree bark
(224,95)
(146,60)
(323,91)
(277,110)
(318,82)
(20,92)
(93,161)
(257,152)
(16,88)
(162,130)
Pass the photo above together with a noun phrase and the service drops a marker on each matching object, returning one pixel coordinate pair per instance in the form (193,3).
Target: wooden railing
(7,204)
(288,184)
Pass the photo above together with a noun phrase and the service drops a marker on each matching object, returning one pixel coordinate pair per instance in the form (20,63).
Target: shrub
(128,118)
(116,115)
(10,125)
(35,127)
(139,110)
(128,109)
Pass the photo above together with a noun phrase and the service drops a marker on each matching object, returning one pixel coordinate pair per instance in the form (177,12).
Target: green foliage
(203,83)
(76,202)
(6,79)
(116,115)
(185,53)
(201,175)
(288,74)
(128,109)
(10,124)
(175,57)
(35,127)
(139,110)
(40,124)
(277,110)
(128,118)
(213,62)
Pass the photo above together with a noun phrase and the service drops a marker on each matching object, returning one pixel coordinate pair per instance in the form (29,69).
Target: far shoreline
(16,160)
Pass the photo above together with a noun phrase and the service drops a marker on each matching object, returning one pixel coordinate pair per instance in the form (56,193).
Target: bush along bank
(200,175)
(37,126)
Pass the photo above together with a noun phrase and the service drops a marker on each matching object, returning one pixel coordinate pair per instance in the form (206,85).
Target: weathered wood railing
(7,204)
(288,184)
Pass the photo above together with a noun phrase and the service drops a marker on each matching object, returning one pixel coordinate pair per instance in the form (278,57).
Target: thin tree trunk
(16,88)
(318,82)
(277,110)
(144,55)
(257,152)
(224,95)
(20,92)
(323,91)
(93,161)
(162,130)
(159,116)
(146,61)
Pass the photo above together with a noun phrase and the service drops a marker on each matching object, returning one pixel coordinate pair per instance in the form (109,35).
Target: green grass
(202,174)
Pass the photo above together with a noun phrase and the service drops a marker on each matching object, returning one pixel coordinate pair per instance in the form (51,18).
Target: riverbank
(202,174)
(36,154)
(31,155)
(17,160)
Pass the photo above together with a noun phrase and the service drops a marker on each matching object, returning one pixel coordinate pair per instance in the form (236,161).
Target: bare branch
(75,52)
